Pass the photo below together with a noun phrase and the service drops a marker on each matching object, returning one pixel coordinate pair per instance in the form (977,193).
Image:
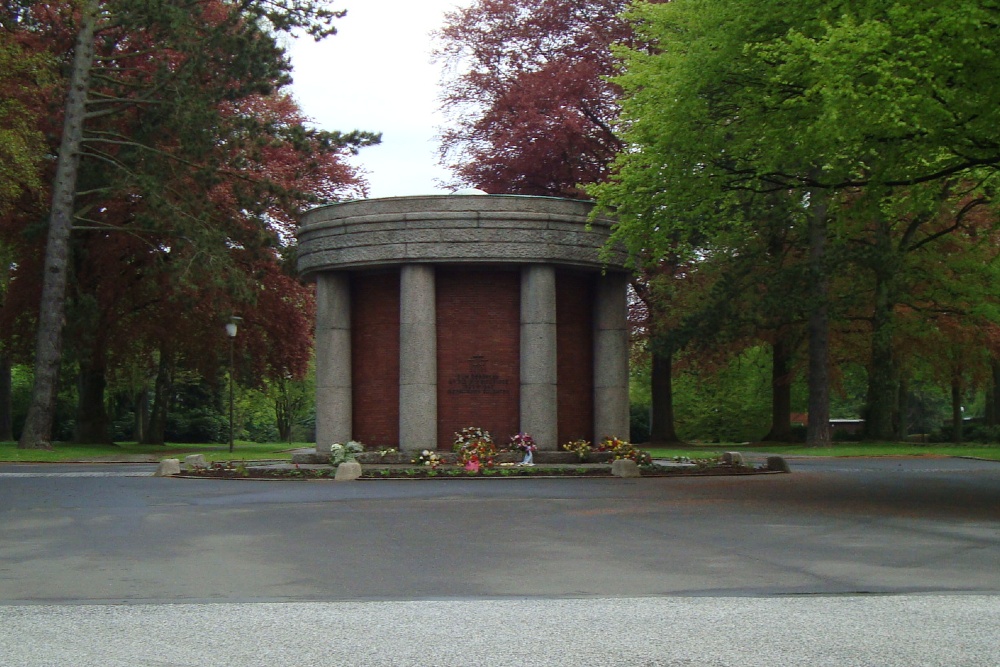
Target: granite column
(538,355)
(611,410)
(333,360)
(417,358)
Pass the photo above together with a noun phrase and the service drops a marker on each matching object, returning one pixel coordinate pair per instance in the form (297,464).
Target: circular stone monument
(439,312)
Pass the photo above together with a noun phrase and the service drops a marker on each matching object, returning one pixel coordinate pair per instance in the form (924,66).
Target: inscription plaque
(478,381)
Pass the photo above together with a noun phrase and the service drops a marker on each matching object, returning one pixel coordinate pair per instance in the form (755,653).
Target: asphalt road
(844,561)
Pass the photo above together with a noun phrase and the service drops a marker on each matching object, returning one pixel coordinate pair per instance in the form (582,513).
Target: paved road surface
(849,561)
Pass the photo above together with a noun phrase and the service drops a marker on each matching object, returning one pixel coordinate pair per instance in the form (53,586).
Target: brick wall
(574,362)
(375,357)
(478,346)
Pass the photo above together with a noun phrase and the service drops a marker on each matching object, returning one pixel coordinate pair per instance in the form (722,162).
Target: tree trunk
(6,401)
(162,389)
(661,427)
(882,380)
(781,391)
(140,427)
(283,418)
(37,433)
(901,423)
(993,396)
(818,430)
(91,413)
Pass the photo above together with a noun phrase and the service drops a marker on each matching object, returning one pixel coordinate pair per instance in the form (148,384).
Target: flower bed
(452,471)
(476,455)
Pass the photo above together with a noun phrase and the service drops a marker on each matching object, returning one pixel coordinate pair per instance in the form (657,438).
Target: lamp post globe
(231,328)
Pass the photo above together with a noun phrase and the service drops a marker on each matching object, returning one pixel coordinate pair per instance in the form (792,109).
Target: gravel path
(887,631)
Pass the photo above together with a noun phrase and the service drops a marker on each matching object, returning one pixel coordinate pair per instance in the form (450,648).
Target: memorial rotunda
(440,312)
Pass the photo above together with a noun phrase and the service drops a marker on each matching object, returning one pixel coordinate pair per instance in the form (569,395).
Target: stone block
(168,467)
(333,416)
(386,223)
(194,462)
(417,294)
(611,411)
(465,235)
(302,458)
(538,414)
(347,471)
(733,458)
(378,220)
(539,353)
(418,361)
(417,417)
(318,258)
(557,457)
(333,301)
(625,468)
(538,294)
(376,457)
(777,464)
(611,303)
(440,220)
(333,367)
(611,358)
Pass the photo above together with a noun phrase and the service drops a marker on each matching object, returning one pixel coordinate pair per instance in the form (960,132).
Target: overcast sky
(375,74)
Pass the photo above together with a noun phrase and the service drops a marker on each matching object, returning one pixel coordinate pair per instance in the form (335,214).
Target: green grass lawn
(838,449)
(63,452)
(256,451)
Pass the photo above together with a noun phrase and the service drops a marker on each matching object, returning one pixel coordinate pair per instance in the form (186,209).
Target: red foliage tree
(526,90)
(194,169)
(532,112)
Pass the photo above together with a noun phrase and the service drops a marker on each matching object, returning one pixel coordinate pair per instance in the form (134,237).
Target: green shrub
(198,425)
(639,423)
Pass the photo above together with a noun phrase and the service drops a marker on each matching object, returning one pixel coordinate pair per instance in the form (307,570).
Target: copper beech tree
(180,170)
(531,111)
(525,89)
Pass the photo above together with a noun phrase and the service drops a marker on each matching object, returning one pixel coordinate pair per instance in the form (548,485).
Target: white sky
(375,74)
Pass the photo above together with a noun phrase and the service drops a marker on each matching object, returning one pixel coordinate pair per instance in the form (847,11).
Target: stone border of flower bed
(407,470)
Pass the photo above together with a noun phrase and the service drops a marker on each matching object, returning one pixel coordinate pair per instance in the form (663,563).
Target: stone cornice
(454,229)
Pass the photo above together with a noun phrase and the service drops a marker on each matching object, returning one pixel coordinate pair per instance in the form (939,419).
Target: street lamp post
(231,332)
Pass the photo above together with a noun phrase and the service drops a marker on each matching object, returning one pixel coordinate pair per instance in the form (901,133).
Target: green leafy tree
(726,402)
(897,238)
(827,103)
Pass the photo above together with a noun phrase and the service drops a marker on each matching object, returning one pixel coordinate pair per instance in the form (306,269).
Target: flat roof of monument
(460,193)
(422,205)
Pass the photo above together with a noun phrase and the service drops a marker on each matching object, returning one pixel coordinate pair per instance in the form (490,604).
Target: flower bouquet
(428,458)
(475,449)
(340,453)
(525,443)
(471,434)
(580,447)
(622,449)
